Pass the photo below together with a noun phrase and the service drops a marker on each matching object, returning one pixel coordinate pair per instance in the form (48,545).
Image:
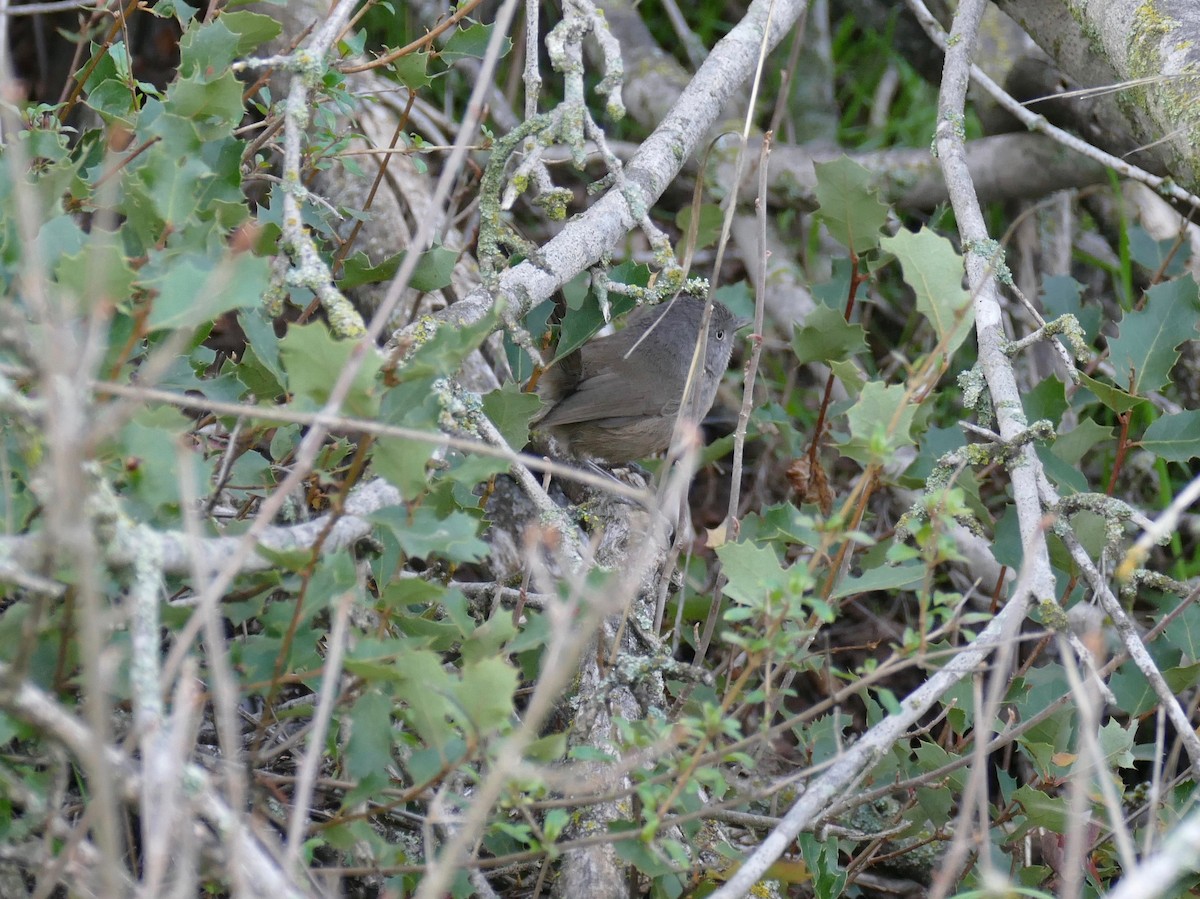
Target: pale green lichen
(992,254)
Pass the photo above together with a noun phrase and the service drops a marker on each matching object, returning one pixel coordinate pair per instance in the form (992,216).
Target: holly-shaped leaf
(880,423)
(828,337)
(934,270)
(848,204)
(1113,397)
(1144,351)
(314,361)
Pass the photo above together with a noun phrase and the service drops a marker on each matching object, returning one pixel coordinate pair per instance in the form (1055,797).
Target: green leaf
(169,184)
(850,375)
(827,337)
(369,749)
(510,409)
(314,360)
(1063,295)
(1183,633)
(934,270)
(207,49)
(412,70)
(1049,812)
(753,571)
(579,325)
(1076,443)
(212,106)
(114,100)
(487,640)
(1047,400)
(1143,353)
(636,852)
(262,351)
(401,463)
(426,687)
(1117,741)
(848,204)
(880,424)
(471,42)
(486,693)
(195,290)
(1175,438)
(251,29)
(423,534)
(1112,397)
(60,236)
(106,62)
(708,228)
(174,9)
(433,271)
(99,274)
(882,577)
(444,351)
(821,858)
(1181,679)
(149,456)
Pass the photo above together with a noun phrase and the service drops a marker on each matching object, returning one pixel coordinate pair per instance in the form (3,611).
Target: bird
(616,398)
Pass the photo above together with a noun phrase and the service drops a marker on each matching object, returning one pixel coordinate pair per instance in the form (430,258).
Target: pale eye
(720,334)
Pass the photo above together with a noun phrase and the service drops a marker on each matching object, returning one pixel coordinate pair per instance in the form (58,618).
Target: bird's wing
(606,395)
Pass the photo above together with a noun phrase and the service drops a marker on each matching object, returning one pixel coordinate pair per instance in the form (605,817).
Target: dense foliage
(282,611)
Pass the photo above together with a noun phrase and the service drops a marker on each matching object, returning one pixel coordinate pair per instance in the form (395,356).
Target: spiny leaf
(1143,353)
(848,205)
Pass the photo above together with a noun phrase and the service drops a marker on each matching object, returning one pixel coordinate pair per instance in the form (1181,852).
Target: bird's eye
(720,334)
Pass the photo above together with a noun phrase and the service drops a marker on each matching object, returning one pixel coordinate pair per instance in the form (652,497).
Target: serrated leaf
(260,335)
(433,272)
(424,534)
(880,424)
(114,100)
(1117,741)
(369,749)
(1175,438)
(510,409)
(1113,397)
(213,106)
(934,270)
(171,184)
(444,351)
(1143,352)
(426,687)
(196,290)
(1050,812)
(753,572)
(486,692)
(412,70)
(827,337)
(314,360)
(206,49)
(471,42)
(251,29)
(100,273)
(850,375)
(848,205)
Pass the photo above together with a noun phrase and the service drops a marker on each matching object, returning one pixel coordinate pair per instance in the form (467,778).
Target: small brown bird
(616,398)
